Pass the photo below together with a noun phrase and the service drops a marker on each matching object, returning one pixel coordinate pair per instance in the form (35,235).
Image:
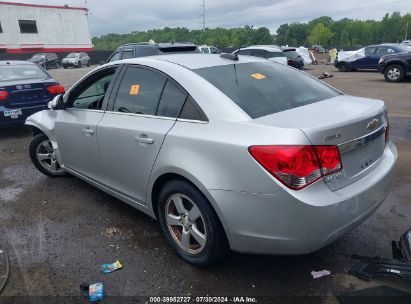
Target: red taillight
(387,131)
(4,95)
(298,166)
(290,61)
(56,89)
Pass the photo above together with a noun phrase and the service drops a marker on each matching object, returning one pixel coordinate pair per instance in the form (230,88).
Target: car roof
(262,47)
(193,60)
(385,44)
(157,45)
(15,62)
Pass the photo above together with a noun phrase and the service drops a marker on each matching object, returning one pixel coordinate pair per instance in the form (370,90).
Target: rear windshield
(274,54)
(291,54)
(9,73)
(263,88)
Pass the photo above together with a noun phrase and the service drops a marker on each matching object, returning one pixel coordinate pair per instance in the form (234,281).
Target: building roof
(44,6)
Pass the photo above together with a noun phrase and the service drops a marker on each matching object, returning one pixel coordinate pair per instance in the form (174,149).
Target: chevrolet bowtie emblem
(373,124)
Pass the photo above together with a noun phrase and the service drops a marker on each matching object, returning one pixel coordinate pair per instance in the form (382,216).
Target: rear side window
(171,101)
(192,111)
(148,51)
(274,54)
(205,50)
(244,52)
(263,88)
(127,54)
(291,54)
(259,53)
(139,92)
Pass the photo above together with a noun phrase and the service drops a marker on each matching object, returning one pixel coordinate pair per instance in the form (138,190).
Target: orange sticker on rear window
(134,89)
(258,76)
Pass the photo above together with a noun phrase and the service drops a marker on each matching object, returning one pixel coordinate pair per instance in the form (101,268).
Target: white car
(209,49)
(268,52)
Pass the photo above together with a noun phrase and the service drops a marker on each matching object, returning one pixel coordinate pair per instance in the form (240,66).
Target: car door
(76,126)
(143,111)
(366,61)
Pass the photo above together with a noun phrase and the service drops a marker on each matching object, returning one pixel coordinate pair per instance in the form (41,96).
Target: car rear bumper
(282,224)
(26,112)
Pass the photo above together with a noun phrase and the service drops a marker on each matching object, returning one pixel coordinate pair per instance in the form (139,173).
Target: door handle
(143,139)
(88,131)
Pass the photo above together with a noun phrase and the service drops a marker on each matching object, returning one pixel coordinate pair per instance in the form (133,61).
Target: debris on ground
(107,268)
(110,232)
(320,274)
(399,266)
(94,291)
(325,75)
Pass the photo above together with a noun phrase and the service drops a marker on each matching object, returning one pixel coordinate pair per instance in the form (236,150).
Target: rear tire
(43,157)
(190,225)
(394,73)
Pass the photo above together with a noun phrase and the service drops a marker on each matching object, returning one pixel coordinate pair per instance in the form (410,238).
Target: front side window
(139,91)
(214,51)
(264,88)
(91,96)
(115,57)
(370,51)
(28,26)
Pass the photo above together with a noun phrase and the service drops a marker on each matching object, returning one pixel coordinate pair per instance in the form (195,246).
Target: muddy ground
(57,232)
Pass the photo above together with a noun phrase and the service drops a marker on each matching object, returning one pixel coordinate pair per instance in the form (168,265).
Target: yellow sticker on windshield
(134,89)
(258,76)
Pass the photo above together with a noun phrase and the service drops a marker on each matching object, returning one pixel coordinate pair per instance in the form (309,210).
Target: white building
(31,28)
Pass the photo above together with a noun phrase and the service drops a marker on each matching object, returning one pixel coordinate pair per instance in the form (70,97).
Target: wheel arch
(161,180)
(399,62)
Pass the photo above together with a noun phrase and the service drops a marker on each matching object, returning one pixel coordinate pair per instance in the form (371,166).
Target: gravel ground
(57,232)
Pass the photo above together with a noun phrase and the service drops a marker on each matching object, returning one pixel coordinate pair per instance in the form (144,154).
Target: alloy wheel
(394,73)
(185,223)
(47,158)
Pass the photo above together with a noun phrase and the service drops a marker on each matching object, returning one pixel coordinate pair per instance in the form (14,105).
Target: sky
(125,16)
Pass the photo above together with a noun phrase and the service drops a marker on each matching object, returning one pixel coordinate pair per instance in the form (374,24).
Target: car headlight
(381,61)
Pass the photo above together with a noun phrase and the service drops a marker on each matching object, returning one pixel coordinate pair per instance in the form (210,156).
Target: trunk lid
(28,93)
(356,125)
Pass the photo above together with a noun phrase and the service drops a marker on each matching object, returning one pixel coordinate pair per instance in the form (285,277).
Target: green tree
(320,34)
(345,38)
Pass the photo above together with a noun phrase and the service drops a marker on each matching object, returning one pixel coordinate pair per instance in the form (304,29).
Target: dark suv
(143,49)
(395,67)
(46,60)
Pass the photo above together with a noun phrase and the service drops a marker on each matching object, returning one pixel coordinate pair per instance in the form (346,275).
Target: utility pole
(203,15)
(406,32)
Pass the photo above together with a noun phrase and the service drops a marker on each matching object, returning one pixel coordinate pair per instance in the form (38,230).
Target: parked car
(209,49)
(368,60)
(143,49)
(225,151)
(76,60)
(407,42)
(395,67)
(268,52)
(293,58)
(25,89)
(318,48)
(46,60)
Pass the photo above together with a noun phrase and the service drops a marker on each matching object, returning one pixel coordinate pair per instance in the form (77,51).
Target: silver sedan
(227,152)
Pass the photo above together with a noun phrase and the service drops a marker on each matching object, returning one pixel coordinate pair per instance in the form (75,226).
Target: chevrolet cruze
(226,151)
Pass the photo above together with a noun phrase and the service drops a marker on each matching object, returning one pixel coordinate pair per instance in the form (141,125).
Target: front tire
(43,157)
(394,73)
(190,225)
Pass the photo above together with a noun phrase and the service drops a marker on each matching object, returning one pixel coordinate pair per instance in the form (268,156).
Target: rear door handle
(143,139)
(87,131)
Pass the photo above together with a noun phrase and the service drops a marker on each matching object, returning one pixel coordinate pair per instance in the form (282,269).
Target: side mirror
(57,103)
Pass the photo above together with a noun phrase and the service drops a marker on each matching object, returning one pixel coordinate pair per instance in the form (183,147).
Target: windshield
(8,73)
(73,55)
(263,88)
